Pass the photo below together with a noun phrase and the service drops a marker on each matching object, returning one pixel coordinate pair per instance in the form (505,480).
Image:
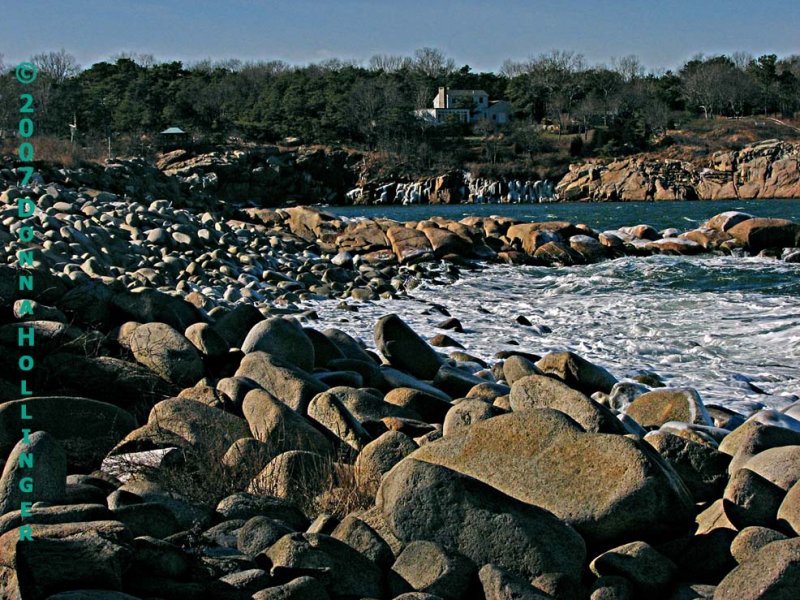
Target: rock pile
(768,169)
(192,440)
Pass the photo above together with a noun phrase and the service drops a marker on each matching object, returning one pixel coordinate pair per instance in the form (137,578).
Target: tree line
(370,105)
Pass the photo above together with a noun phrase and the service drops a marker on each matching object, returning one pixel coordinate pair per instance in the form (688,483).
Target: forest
(370,106)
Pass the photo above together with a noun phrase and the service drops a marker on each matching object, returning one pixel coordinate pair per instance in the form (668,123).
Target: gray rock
(291,385)
(428,567)
(35,471)
(167,353)
(404,349)
(283,339)
(772,573)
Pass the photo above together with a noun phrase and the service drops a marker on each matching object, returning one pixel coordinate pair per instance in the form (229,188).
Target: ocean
(727,326)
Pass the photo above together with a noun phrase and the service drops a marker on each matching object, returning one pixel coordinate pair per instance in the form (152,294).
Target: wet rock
(577,372)
(662,405)
(404,349)
(760,233)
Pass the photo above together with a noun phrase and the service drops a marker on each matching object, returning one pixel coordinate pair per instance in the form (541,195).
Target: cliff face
(769,169)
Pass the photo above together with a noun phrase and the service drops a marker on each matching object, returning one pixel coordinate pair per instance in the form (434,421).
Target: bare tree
(143,60)
(433,63)
(630,67)
(388,63)
(57,66)
(742,60)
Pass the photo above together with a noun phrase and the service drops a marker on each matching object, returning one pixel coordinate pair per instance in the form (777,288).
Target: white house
(466,106)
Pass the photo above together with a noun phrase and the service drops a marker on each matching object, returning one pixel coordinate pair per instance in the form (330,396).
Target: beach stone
(46,475)
(159,558)
(704,470)
(500,584)
(65,557)
(428,567)
(714,517)
(789,510)
(167,353)
(284,339)
(577,372)
(289,384)
(325,350)
(246,506)
(394,378)
(455,381)
(367,404)
(380,455)
(760,233)
(206,339)
(780,465)
(410,245)
(361,537)
(349,572)
(750,540)
(724,221)
(235,324)
(92,429)
(259,534)
(294,475)
(750,499)
(301,588)
(650,572)
(516,367)
(146,305)
(466,413)
(654,408)
(539,391)
(753,437)
(279,427)
(348,345)
(489,392)
(326,410)
(53,515)
(702,558)
(404,349)
(772,573)
(423,501)
(203,427)
(644,497)
(128,385)
(430,408)
(147,519)
(612,587)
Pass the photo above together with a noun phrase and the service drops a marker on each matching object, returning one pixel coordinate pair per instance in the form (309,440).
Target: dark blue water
(598,215)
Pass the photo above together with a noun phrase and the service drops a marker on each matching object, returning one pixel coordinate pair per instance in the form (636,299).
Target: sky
(480,33)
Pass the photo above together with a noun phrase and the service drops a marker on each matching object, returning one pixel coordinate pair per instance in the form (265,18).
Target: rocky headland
(195,436)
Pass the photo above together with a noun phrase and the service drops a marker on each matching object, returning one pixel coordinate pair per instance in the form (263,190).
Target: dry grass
(320,484)
(57,151)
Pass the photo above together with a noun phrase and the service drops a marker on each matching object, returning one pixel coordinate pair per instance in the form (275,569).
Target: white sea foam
(730,327)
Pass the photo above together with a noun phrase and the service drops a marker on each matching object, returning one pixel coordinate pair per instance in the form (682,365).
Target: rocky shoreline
(197,437)
(274,176)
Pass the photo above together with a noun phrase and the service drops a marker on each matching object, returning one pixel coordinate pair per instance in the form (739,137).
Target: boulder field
(195,436)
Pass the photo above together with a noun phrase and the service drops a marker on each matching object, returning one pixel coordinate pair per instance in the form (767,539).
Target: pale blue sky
(480,33)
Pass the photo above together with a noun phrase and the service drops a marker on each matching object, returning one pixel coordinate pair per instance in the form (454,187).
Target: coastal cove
(597,215)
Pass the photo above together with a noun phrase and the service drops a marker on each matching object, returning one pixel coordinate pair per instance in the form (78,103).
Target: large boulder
(428,567)
(86,429)
(40,461)
(147,305)
(609,487)
(773,573)
(577,372)
(404,349)
(289,384)
(539,391)
(167,353)
(409,245)
(654,408)
(279,427)
(63,557)
(759,233)
(346,572)
(423,501)
(284,339)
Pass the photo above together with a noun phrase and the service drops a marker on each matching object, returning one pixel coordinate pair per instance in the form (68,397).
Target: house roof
(173,130)
(466,93)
